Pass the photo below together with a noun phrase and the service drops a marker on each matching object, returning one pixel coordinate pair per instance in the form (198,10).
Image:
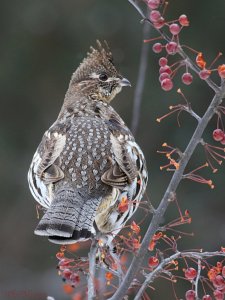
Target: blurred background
(42,43)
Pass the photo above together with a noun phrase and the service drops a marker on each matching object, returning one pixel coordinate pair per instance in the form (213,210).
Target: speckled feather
(88,160)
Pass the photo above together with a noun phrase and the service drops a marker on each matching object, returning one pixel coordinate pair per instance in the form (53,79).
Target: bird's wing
(50,148)
(43,169)
(125,170)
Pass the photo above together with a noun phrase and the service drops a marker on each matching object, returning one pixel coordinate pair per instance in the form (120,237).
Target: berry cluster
(165,72)
(67,269)
(191,295)
(216,276)
(172,46)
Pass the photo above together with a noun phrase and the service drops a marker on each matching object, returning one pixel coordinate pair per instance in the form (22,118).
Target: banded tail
(69,218)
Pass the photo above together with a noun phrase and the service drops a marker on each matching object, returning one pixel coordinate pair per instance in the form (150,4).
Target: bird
(88,173)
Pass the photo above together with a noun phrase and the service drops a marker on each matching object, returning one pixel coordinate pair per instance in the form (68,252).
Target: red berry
(153,261)
(190,295)
(163,61)
(155,15)
(223,271)
(160,23)
(183,20)
(136,243)
(59,255)
(187,78)
(218,282)
(223,140)
(165,69)
(153,4)
(204,74)
(74,278)
(207,297)
(218,295)
(190,273)
(163,76)
(218,135)
(66,273)
(157,47)
(174,29)
(171,48)
(167,84)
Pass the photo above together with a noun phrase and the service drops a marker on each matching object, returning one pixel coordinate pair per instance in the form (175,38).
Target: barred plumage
(88,160)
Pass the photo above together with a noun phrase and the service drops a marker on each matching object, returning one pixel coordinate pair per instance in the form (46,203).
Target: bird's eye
(103,77)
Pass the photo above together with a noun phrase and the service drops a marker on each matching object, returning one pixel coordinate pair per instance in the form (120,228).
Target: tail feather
(87,214)
(83,234)
(69,218)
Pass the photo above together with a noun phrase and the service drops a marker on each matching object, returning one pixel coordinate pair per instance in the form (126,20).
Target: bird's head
(97,75)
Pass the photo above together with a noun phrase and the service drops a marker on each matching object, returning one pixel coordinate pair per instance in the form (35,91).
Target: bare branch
(92,270)
(198,277)
(192,113)
(132,2)
(120,272)
(138,93)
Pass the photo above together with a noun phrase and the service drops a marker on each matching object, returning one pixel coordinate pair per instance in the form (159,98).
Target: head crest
(99,59)
(102,50)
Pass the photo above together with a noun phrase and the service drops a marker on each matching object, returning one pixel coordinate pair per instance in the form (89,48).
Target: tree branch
(138,93)
(198,277)
(92,270)
(133,2)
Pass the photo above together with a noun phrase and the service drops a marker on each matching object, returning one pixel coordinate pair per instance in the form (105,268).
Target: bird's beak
(125,82)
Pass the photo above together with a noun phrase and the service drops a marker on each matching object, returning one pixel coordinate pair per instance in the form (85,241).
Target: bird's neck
(78,104)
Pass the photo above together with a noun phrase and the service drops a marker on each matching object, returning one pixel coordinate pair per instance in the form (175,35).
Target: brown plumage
(88,160)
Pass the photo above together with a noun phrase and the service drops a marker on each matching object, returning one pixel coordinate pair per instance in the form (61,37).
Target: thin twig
(137,8)
(92,270)
(138,93)
(198,278)
(192,113)
(120,272)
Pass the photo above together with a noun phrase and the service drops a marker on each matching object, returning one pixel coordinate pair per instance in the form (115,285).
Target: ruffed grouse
(88,164)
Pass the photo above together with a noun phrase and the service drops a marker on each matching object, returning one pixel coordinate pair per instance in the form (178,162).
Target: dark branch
(140,81)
